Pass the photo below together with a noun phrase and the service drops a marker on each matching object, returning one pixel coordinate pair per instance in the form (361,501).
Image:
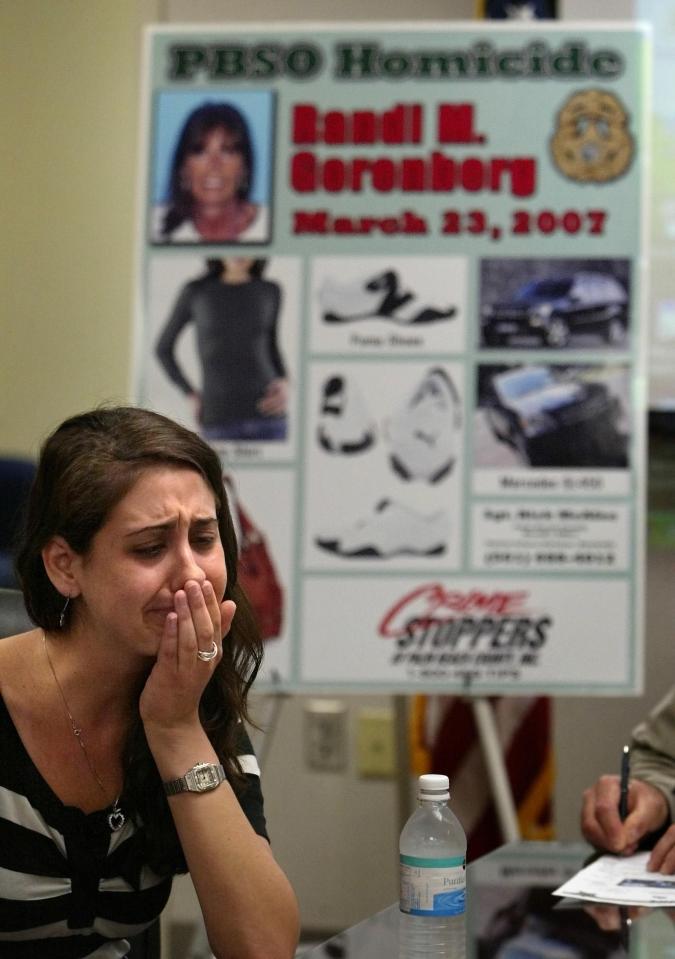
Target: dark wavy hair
(202,121)
(86,467)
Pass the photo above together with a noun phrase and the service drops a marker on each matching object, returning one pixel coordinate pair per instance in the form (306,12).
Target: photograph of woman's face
(214,170)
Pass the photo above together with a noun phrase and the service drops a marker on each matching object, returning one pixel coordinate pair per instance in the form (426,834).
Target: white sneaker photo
(391,530)
(345,425)
(378,296)
(422,435)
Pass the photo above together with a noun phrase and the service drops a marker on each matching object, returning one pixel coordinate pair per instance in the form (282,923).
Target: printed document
(622,880)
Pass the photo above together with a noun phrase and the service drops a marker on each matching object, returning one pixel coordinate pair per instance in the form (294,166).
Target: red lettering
(401,124)
(437,173)
(333,175)
(427,598)
(315,221)
(413,223)
(499,166)
(384,175)
(427,604)
(334,127)
(304,123)
(416,133)
(472,174)
(442,173)
(413,175)
(522,173)
(523,176)
(342,224)
(321,222)
(303,172)
(360,166)
(364,128)
(455,124)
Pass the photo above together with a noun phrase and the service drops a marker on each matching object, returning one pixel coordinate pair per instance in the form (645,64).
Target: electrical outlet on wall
(376,743)
(325,735)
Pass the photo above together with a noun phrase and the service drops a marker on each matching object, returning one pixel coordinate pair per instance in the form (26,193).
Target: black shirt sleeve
(275,352)
(250,796)
(180,316)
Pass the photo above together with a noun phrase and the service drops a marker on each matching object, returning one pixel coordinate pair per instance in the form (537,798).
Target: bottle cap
(433,788)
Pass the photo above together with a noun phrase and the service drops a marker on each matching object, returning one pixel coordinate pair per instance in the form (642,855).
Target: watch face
(206,777)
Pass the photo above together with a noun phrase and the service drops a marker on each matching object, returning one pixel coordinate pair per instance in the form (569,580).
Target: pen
(625,773)
(624,928)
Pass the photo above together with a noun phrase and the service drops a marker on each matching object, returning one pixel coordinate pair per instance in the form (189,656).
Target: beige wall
(68,125)
(68,109)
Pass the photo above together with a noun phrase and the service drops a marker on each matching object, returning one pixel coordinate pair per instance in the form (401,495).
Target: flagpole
(496,768)
(403,789)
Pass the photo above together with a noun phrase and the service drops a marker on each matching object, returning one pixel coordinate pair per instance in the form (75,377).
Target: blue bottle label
(433,887)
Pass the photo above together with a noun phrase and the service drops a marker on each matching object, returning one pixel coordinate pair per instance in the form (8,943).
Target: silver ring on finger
(206,655)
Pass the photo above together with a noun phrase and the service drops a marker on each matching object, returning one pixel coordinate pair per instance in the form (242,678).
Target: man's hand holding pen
(646,812)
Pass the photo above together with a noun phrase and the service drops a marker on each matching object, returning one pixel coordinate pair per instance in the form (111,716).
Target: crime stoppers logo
(471,634)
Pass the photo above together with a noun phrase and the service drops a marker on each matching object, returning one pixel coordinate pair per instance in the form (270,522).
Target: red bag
(256,573)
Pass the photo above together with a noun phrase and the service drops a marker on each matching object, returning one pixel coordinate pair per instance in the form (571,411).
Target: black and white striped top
(69,887)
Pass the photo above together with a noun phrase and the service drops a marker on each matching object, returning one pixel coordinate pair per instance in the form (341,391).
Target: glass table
(512,915)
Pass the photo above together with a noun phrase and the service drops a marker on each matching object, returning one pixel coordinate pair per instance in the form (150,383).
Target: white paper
(623,880)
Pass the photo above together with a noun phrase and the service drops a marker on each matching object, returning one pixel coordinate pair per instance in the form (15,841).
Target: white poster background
(533,219)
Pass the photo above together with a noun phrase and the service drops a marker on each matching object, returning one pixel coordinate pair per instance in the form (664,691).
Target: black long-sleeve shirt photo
(236,326)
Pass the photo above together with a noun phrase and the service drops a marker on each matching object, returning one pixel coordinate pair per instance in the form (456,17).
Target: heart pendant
(116,820)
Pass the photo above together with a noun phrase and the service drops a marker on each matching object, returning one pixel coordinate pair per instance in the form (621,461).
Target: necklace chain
(116,817)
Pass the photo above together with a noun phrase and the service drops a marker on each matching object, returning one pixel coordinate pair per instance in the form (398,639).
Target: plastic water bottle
(433,877)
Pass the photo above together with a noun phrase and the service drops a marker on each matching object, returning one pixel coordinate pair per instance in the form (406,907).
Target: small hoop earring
(62,617)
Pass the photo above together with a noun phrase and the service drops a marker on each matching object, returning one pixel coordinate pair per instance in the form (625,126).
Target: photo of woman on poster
(208,199)
(244,391)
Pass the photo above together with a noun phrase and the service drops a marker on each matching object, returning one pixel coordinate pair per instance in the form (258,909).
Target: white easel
(496,769)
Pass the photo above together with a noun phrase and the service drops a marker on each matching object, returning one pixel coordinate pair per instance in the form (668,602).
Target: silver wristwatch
(202,778)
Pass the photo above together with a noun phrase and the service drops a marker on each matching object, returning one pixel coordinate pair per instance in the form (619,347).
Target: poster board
(448,220)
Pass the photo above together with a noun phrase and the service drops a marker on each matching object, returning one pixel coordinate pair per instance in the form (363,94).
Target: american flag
(444,739)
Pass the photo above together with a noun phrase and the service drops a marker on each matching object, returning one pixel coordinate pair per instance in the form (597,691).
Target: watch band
(201,778)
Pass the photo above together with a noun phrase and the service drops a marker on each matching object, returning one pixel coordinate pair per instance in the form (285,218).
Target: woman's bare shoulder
(16,655)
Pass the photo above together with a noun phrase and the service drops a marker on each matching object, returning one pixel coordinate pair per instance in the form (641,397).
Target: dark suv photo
(555,309)
(554,418)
